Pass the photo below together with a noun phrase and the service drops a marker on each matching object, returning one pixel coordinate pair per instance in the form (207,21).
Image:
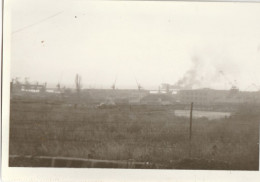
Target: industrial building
(211,96)
(166,95)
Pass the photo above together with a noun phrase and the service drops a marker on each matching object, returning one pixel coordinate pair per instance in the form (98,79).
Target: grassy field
(142,134)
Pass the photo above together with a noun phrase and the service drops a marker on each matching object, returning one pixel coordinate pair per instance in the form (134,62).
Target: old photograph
(134,85)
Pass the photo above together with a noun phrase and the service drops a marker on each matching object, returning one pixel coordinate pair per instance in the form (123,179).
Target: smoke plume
(191,77)
(206,73)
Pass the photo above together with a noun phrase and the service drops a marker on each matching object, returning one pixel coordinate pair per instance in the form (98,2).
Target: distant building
(20,87)
(158,99)
(210,96)
(121,96)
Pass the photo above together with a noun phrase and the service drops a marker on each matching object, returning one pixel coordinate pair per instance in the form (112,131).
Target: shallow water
(198,114)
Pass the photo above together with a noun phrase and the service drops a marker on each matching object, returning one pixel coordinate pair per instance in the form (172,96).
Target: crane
(232,84)
(254,85)
(26,80)
(139,87)
(59,82)
(17,80)
(114,84)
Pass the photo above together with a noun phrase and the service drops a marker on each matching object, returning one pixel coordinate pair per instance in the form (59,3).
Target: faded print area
(158,85)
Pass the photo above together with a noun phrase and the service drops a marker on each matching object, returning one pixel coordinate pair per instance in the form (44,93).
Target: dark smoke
(191,78)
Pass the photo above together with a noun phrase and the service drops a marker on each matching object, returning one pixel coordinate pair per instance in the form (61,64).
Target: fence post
(190,147)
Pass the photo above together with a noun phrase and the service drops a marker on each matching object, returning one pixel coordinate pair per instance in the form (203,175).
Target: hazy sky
(155,42)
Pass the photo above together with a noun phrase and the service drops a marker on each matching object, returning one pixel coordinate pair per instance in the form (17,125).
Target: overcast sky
(154,42)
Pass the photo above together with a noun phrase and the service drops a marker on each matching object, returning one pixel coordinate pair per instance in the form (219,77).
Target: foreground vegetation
(146,134)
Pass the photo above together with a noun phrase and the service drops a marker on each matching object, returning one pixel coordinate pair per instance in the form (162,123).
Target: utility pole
(191,108)
(12,85)
(78,87)
(78,84)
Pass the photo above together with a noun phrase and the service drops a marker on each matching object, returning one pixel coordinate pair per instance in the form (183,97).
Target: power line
(38,22)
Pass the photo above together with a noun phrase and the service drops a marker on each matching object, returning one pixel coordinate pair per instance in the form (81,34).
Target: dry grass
(141,134)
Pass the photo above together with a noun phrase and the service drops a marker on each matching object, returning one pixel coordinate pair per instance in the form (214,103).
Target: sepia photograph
(133,85)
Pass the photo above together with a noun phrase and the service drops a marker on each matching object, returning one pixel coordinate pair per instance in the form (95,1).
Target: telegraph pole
(191,108)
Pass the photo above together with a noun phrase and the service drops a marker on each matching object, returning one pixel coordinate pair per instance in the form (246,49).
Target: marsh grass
(142,135)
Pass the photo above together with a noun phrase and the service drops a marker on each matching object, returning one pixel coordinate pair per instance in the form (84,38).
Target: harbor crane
(139,87)
(17,80)
(114,84)
(232,84)
(252,85)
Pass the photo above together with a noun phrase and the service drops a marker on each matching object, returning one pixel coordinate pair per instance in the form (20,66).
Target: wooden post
(191,108)
(12,85)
